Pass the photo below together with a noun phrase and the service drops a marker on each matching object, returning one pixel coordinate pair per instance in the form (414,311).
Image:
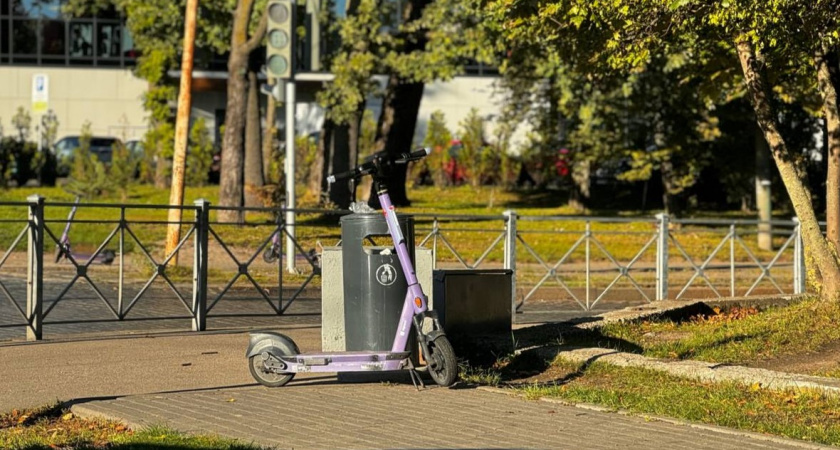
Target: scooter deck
(346,361)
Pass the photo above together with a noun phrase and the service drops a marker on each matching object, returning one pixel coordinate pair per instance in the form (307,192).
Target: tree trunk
(396,132)
(354,134)
(669,199)
(400,106)
(828,75)
(340,192)
(579,198)
(231,183)
(318,174)
(792,177)
(253,149)
(268,139)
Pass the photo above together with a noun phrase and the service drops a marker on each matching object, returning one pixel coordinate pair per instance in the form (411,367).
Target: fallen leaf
(231,400)
(67,417)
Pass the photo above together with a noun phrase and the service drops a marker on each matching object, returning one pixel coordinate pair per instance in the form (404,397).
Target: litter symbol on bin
(386,275)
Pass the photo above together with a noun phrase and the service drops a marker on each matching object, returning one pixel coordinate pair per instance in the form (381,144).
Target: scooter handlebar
(415,155)
(378,160)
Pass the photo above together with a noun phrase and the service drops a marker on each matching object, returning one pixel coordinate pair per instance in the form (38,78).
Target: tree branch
(256,38)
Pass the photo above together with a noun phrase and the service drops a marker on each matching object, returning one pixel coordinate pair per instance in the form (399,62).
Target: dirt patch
(827,359)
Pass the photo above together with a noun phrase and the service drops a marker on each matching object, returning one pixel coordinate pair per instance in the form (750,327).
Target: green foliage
(122,169)
(438,139)
(158,146)
(7,146)
(355,62)
(367,136)
(306,150)
(372,44)
(88,176)
(26,162)
(22,121)
(19,158)
(199,155)
(157,28)
(480,160)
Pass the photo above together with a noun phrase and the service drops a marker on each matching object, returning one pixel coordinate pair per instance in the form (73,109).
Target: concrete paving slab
(322,414)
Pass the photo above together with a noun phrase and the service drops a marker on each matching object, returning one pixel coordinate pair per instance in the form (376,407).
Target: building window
(36,32)
(108,42)
(5,38)
(81,40)
(53,36)
(25,40)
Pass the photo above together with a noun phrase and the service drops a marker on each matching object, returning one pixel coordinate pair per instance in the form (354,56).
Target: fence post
(662,257)
(435,231)
(588,235)
(732,235)
(510,255)
(35,269)
(199,303)
(799,277)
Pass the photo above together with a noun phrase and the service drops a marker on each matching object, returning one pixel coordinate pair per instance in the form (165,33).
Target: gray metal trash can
(374,283)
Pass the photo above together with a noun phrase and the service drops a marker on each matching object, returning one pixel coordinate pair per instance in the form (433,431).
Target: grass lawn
(800,414)
(52,427)
(732,335)
(550,239)
(738,335)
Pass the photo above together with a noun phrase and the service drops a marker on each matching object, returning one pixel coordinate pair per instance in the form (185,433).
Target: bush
(20,163)
(88,176)
(480,161)
(6,161)
(122,169)
(199,155)
(438,139)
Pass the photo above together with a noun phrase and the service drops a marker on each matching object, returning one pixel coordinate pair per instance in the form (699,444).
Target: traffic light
(279,60)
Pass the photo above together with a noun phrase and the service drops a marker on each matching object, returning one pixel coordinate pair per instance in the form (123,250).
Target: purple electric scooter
(274,359)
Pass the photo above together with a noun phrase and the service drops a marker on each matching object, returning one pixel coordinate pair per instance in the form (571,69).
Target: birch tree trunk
(816,245)
(828,76)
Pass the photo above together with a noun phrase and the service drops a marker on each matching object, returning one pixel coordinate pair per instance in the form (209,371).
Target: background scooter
(273,252)
(274,358)
(63,251)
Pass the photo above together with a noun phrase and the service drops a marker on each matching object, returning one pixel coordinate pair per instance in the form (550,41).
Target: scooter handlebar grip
(415,155)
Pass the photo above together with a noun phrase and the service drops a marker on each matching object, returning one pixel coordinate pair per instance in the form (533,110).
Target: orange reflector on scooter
(418,301)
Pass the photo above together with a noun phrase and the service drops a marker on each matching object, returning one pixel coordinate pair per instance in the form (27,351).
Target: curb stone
(87,413)
(700,426)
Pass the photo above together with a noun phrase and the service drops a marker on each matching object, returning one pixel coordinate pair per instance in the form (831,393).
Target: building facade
(81,70)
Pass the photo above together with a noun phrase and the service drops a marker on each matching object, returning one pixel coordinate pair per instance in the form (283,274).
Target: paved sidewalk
(200,382)
(318,415)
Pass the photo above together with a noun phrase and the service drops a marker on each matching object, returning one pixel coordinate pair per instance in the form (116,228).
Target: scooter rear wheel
(266,377)
(442,364)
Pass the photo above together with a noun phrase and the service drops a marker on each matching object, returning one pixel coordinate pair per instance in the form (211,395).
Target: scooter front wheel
(442,364)
(264,375)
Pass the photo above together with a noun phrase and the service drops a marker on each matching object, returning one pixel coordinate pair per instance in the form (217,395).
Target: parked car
(135,148)
(102,147)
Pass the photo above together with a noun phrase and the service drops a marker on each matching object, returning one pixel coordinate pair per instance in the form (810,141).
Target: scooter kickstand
(415,377)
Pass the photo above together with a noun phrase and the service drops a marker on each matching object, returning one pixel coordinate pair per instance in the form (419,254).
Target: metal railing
(657,246)
(585,261)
